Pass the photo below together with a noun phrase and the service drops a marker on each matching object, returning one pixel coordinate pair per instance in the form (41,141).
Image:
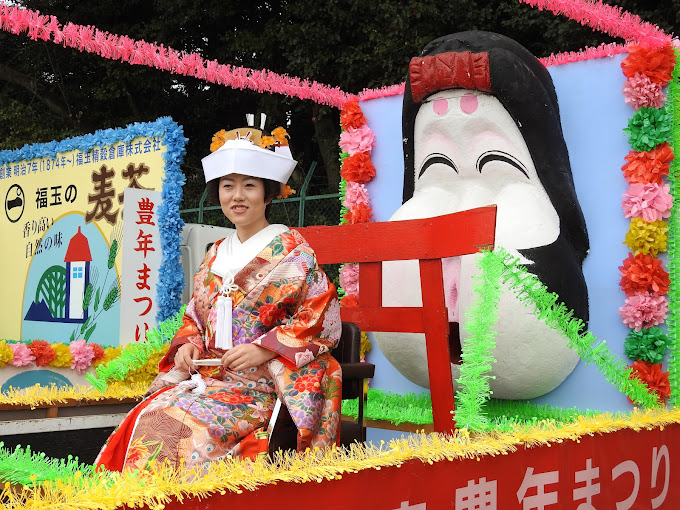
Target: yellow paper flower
(109,354)
(365,345)
(63,358)
(6,353)
(218,140)
(267,141)
(281,135)
(648,237)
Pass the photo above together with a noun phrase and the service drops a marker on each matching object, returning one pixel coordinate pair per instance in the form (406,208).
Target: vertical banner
(141,265)
(62,232)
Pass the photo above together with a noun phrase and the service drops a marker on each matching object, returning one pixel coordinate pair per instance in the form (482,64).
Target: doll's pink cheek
(440,106)
(469,103)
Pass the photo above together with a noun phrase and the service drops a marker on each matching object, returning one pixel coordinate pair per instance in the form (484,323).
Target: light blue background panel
(593,114)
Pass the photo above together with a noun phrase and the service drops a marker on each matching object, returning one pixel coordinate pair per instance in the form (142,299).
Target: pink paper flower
(349,279)
(643,310)
(82,354)
(640,91)
(22,355)
(357,140)
(355,194)
(651,202)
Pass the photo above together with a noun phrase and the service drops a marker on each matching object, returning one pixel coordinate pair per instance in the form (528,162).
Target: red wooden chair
(428,240)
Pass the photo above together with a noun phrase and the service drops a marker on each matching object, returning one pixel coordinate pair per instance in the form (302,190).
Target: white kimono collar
(233,255)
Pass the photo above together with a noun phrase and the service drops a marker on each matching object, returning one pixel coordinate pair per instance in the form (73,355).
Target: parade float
(581,416)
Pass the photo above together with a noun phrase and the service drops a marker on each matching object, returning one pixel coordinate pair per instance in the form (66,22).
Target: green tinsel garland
(503,415)
(343,190)
(473,383)
(673,109)
(648,128)
(135,355)
(23,467)
(647,344)
(529,289)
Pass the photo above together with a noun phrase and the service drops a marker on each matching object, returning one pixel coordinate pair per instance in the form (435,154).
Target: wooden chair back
(427,240)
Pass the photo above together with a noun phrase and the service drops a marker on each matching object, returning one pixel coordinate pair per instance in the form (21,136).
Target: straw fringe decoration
(161,485)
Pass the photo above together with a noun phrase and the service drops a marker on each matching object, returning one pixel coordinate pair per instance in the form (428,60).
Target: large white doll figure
(481,126)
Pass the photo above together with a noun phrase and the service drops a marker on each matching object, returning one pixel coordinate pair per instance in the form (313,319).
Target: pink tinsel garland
(606,18)
(651,202)
(17,20)
(601,51)
(92,40)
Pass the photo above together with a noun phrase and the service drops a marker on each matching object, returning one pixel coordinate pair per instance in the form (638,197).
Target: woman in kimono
(225,373)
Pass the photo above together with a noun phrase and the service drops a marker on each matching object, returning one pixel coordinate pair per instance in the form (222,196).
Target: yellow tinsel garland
(48,395)
(164,483)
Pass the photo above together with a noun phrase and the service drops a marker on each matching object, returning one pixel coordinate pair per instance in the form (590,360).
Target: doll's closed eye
(434,159)
(502,157)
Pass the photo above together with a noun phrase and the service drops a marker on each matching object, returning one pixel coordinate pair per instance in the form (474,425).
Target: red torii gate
(428,240)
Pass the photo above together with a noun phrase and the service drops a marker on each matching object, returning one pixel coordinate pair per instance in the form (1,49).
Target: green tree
(49,92)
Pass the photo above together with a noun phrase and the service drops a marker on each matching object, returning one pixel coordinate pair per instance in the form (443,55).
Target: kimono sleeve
(315,327)
(192,329)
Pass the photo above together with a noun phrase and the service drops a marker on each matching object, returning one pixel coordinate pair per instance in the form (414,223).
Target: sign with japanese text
(620,470)
(141,263)
(62,233)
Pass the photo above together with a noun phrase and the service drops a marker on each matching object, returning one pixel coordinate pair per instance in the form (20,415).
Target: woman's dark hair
(271,190)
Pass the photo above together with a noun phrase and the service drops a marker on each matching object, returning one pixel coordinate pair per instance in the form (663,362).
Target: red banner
(620,470)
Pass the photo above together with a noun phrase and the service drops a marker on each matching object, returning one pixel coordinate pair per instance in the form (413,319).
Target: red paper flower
(648,166)
(351,115)
(359,214)
(641,273)
(98,352)
(656,63)
(358,168)
(654,378)
(44,353)
(349,301)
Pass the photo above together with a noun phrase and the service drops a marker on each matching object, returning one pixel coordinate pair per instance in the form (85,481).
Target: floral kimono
(284,303)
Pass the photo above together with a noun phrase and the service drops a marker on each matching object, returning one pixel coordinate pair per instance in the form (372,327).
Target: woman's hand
(246,356)
(185,356)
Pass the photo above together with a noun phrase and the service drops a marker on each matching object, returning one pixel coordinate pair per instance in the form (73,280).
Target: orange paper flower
(281,135)
(359,214)
(218,140)
(286,191)
(349,301)
(98,352)
(43,352)
(641,273)
(358,168)
(648,166)
(267,141)
(351,115)
(657,64)
(654,378)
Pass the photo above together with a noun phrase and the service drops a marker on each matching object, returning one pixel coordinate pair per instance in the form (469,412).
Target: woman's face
(243,203)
